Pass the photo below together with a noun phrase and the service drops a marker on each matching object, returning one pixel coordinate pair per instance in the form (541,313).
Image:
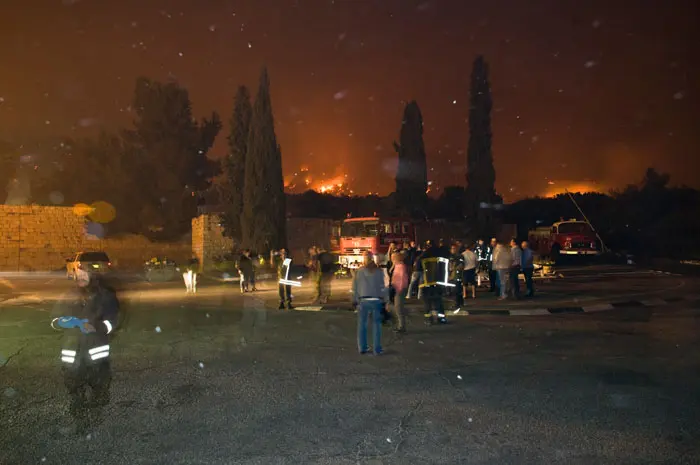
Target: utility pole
(602,244)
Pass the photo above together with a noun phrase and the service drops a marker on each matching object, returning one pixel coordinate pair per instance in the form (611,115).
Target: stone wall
(208,241)
(38,238)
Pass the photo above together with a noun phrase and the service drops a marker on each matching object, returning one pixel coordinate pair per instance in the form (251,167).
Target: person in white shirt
(502,263)
(470,263)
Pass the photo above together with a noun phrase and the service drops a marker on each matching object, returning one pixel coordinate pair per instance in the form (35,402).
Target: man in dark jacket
(411,255)
(86,316)
(245,270)
(325,259)
(456,275)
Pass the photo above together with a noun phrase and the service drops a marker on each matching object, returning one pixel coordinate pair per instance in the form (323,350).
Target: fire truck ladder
(603,248)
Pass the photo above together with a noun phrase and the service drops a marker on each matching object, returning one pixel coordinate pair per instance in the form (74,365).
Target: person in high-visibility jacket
(285,290)
(435,276)
(86,316)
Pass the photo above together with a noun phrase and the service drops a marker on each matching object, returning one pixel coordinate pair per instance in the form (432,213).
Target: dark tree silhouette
(173,168)
(412,172)
(450,203)
(481,175)
(232,186)
(264,222)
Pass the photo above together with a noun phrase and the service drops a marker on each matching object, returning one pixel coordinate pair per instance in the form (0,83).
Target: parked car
(160,269)
(96,262)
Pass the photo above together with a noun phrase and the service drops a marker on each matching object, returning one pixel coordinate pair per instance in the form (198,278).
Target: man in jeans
(369,294)
(528,269)
(502,263)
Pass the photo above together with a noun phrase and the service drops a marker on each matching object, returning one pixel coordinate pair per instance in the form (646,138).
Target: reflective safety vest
(81,348)
(436,271)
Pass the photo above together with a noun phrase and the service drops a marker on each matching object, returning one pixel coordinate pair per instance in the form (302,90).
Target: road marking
(532,311)
(308,309)
(598,308)
(653,302)
(6,283)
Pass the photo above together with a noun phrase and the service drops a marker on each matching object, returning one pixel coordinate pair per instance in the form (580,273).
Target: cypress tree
(232,188)
(412,172)
(264,203)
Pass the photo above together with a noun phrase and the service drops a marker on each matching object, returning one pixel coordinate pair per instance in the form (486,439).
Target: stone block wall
(208,240)
(40,238)
(37,238)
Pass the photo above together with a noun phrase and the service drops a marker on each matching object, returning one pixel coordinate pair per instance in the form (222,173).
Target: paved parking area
(228,380)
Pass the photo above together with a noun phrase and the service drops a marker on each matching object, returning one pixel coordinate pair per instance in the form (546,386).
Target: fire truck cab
(373,234)
(566,237)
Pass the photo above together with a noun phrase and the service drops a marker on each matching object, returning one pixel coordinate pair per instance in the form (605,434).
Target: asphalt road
(221,378)
(572,286)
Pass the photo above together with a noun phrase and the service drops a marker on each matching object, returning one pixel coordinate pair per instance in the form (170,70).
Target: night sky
(582,90)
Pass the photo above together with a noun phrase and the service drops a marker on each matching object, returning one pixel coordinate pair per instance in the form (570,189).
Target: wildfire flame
(304,180)
(555,189)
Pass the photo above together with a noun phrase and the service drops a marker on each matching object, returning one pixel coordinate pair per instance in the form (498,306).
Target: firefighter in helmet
(434,280)
(86,316)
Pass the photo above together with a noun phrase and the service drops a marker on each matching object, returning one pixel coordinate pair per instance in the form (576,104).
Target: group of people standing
(411,269)
(503,265)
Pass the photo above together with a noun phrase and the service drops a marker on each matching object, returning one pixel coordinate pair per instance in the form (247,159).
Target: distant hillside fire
(303,180)
(555,188)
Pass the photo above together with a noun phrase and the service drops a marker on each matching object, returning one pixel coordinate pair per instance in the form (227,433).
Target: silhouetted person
(528,268)
(516,264)
(86,315)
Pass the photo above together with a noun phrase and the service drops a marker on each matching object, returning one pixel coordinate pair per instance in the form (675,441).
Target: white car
(96,262)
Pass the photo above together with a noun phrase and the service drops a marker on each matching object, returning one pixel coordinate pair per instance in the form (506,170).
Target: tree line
(156,173)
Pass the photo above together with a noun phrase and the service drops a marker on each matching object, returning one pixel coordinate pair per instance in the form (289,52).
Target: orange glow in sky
(555,188)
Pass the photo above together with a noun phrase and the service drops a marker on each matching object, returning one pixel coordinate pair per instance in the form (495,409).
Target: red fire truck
(566,237)
(372,234)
